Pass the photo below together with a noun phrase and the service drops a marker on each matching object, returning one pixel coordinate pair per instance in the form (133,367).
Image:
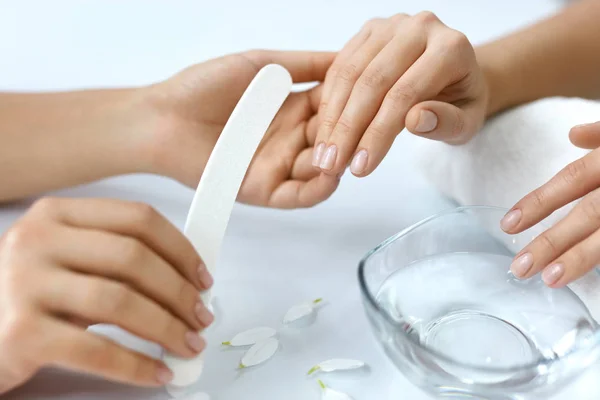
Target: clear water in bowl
(468,307)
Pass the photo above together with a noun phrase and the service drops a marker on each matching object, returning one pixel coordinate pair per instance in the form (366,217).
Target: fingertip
(511,220)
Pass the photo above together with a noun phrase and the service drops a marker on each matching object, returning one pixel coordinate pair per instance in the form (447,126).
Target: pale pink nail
(194,341)
(359,162)
(511,220)
(427,121)
(553,273)
(329,158)
(204,316)
(164,375)
(205,278)
(318,154)
(522,265)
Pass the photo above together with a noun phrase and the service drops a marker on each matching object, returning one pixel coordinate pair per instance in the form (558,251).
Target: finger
(343,82)
(303,170)
(304,66)
(445,122)
(140,221)
(581,222)
(104,301)
(421,81)
(367,95)
(572,182)
(573,264)
(133,263)
(348,50)
(81,351)
(586,136)
(298,194)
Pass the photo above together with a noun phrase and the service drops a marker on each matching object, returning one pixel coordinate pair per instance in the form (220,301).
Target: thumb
(445,122)
(586,136)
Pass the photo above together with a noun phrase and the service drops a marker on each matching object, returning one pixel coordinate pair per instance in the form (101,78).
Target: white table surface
(271,259)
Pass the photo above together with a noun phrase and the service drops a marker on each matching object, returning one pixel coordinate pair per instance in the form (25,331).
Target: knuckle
(22,236)
(47,206)
(373,23)
(144,214)
(426,18)
(547,243)
(457,40)
(403,93)
(399,17)
(459,124)
(132,253)
(348,73)
(377,131)
(114,298)
(254,56)
(343,125)
(575,172)
(591,207)
(329,122)
(537,198)
(372,78)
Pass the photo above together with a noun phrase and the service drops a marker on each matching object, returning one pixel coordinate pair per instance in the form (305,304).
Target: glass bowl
(443,304)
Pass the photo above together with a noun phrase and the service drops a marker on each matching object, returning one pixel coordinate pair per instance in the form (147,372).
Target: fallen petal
(337,364)
(251,336)
(330,394)
(260,353)
(297,312)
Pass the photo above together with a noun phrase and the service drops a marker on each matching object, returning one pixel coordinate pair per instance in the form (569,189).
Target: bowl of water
(443,304)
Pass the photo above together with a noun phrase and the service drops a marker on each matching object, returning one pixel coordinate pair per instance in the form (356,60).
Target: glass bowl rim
(595,343)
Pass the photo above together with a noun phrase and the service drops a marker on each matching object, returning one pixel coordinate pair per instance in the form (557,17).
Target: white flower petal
(251,336)
(300,311)
(260,352)
(337,364)
(330,394)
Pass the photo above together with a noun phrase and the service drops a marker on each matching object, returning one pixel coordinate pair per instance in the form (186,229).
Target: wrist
(498,80)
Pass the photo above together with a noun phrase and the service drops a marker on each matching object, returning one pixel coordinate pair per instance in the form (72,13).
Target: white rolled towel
(516,152)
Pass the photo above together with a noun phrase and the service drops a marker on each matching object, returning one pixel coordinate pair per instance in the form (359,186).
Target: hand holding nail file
(218,188)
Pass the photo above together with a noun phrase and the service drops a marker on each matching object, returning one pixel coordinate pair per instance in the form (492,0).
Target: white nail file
(218,188)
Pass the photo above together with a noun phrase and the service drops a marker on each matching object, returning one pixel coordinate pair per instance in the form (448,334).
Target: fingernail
(318,154)
(510,220)
(195,342)
(164,375)
(522,265)
(205,278)
(204,316)
(553,273)
(427,121)
(329,158)
(359,162)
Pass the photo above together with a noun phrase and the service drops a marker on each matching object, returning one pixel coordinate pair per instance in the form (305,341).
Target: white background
(271,259)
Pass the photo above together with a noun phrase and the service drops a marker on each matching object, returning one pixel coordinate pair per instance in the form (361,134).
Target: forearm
(559,56)
(54,140)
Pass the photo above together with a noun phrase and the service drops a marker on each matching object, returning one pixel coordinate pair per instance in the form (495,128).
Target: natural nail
(522,265)
(164,375)
(359,162)
(329,158)
(204,316)
(318,154)
(553,273)
(194,341)
(427,121)
(205,278)
(511,220)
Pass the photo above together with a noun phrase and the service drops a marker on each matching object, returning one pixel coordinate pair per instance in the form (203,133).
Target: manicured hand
(192,108)
(69,263)
(570,248)
(403,71)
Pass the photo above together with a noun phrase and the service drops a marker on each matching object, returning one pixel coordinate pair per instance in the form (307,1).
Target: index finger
(137,220)
(573,182)
(304,66)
